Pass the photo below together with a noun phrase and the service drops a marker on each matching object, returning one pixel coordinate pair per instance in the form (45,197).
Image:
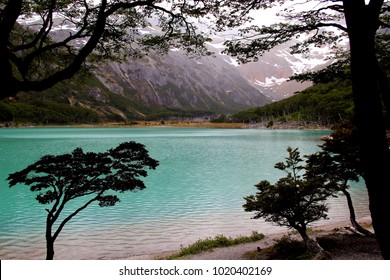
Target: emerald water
(196,192)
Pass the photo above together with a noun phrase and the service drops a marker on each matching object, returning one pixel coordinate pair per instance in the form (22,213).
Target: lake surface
(196,192)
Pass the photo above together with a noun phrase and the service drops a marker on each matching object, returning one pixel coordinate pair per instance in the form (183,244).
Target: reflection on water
(196,192)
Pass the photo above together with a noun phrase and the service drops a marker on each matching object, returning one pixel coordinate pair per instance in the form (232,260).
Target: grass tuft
(217,242)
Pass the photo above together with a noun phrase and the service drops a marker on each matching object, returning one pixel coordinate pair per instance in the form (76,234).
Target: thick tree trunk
(11,13)
(362,23)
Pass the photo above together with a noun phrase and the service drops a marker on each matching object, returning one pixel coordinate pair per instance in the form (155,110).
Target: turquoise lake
(196,192)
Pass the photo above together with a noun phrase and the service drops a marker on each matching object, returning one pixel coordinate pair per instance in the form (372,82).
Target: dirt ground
(349,246)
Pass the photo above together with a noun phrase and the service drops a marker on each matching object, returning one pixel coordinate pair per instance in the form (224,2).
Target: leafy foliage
(328,102)
(65,177)
(309,23)
(108,30)
(317,25)
(339,157)
(293,201)
(339,162)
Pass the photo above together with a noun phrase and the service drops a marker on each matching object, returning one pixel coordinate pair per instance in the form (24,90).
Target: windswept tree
(84,177)
(293,201)
(327,22)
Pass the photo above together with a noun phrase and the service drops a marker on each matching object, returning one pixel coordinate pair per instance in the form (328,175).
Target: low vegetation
(338,243)
(218,241)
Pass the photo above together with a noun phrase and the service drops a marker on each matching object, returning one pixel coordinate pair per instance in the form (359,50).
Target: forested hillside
(80,100)
(323,104)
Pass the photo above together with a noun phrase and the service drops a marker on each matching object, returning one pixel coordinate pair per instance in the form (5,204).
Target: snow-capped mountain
(270,74)
(217,84)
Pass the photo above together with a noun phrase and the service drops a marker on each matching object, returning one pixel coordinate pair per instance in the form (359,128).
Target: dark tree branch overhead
(34,55)
(314,23)
(29,46)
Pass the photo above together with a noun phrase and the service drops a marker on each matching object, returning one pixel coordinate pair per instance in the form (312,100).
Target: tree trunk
(362,23)
(311,244)
(10,14)
(49,249)
(352,216)
(49,239)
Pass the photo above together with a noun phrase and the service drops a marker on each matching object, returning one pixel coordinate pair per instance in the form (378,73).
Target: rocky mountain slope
(215,84)
(160,86)
(177,81)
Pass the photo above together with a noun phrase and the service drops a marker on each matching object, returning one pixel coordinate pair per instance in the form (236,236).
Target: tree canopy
(32,37)
(306,24)
(293,201)
(32,44)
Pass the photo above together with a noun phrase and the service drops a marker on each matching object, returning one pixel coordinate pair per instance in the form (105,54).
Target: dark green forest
(323,104)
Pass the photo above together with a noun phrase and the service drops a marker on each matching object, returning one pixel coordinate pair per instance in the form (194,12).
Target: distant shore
(181,123)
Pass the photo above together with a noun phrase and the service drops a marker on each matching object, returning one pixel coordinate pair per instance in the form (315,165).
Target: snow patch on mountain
(270,81)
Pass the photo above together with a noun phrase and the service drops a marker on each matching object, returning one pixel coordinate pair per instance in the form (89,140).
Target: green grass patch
(216,242)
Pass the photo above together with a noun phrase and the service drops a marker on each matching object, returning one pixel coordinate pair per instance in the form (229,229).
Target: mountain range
(159,86)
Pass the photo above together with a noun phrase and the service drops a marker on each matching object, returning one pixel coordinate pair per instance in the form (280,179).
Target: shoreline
(237,252)
(179,124)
